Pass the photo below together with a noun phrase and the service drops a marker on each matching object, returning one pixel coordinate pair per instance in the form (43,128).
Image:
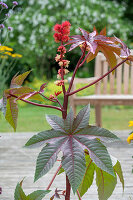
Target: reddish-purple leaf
(18,80)
(42,87)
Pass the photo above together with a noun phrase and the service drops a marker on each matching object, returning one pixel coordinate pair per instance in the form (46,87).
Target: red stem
(54,177)
(71,93)
(84,59)
(79,195)
(68,189)
(37,104)
(75,70)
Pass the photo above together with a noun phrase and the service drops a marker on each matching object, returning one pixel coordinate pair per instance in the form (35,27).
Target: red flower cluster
(62,49)
(65,71)
(59,82)
(62,31)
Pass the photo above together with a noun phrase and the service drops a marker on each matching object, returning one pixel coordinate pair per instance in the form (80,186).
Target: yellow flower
(16,55)
(130,137)
(130,123)
(5,48)
(8,53)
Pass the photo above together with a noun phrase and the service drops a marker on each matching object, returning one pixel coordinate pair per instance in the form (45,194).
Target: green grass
(32,119)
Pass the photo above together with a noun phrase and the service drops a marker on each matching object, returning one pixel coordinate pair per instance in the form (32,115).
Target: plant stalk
(54,177)
(99,79)
(79,195)
(37,104)
(68,189)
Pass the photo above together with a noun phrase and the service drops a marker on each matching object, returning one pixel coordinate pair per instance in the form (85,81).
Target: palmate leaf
(47,158)
(24,91)
(82,119)
(98,153)
(72,136)
(36,195)
(73,162)
(11,112)
(19,193)
(92,132)
(88,176)
(106,184)
(118,171)
(8,104)
(18,80)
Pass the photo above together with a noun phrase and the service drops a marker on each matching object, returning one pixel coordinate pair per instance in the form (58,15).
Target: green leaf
(106,184)
(19,193)
(92,132)
(61,171)
(118,170)
(73,162)
(18,80)
(47,157)
(98,153)
(56,122)
(88,176)
(12,112)
(37,195)
(44,137)
(82,119)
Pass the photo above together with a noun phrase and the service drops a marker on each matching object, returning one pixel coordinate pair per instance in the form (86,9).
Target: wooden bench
(115,89)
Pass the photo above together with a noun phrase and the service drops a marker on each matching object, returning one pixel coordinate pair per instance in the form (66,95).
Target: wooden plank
(119,78)
(112,81)
(98,70)
(126,78)
(105,80)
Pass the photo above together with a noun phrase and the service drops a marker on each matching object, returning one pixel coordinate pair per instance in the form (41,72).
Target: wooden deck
(17,162)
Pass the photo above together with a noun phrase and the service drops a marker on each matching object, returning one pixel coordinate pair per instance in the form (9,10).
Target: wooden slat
(112,80)
(131,78)
(98,70)
(119,77)
(126,78)
(105,80)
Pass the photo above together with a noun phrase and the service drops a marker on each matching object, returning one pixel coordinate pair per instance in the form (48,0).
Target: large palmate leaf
(73,162)
(72,137)
(105,182)
(47,158)
(36,195)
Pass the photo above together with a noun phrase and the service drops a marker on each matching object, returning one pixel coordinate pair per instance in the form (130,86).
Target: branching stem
(75,70)
(37,104)
(99,79)
(79,195)
(54,177)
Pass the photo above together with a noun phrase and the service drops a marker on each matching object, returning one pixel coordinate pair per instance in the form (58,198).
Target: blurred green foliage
(33,29)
